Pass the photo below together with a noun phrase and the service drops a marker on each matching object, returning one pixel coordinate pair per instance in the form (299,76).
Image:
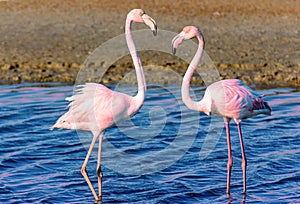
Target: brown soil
(256,41)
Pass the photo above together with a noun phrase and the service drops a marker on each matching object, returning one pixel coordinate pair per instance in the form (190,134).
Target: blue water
(165,154)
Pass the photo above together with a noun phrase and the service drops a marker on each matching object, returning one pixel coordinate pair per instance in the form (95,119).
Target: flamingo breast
(233,99)
(95,107)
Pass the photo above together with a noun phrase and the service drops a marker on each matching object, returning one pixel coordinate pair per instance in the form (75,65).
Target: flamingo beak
(151,23)
(177,40)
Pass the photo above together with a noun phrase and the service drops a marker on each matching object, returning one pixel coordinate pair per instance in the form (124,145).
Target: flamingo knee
(244,164)
(99,172)
(83,171)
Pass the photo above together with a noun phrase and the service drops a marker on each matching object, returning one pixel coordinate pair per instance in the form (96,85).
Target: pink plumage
(230,99)
(95,108)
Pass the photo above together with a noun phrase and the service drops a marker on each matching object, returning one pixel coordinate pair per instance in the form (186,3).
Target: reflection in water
(153,158)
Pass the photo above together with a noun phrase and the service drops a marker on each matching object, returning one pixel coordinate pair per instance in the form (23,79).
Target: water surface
(153,158)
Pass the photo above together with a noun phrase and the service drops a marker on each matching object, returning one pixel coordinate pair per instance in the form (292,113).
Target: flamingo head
(140,16)
(187,33)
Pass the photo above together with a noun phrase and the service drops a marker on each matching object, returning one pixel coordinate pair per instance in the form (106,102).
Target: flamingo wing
(233,99)
(95,107)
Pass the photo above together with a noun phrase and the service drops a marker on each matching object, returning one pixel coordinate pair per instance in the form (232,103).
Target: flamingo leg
(99,170)
(244,160)
(83,168)
(229,163)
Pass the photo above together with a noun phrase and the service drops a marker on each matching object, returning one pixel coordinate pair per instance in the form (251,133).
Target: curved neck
(185,88)
(137,63)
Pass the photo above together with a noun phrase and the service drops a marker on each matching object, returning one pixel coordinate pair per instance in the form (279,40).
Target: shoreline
(256,76)
(257,42)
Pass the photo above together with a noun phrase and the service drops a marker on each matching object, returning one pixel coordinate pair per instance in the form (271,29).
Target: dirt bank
(256,41)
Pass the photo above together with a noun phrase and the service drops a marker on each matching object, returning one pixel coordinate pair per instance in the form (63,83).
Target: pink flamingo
(230,99)
(95,108)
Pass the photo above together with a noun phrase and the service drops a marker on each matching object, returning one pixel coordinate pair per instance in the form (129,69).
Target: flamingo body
(230,99)
(95,108)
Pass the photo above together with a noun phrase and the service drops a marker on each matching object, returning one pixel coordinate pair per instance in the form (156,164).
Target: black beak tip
(154,32)
(174,51)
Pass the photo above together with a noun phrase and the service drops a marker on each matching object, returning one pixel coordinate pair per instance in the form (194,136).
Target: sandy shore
(256,41)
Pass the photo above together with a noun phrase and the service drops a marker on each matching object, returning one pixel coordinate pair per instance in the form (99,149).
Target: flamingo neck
(137,64)
(185,88)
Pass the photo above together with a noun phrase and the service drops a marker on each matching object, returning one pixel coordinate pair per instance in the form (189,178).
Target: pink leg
(83,168)
(99,171)
(229,164)
(244,160)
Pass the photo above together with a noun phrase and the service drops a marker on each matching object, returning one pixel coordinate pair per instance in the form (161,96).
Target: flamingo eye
(141,14)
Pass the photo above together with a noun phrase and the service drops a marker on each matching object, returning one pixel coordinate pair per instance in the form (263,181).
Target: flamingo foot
(230,199)
(98,201)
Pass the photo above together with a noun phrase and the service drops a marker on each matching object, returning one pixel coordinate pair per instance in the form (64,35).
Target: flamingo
(95,108)
(230,99)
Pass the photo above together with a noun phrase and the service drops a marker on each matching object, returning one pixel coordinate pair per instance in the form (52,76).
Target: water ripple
(40,166)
